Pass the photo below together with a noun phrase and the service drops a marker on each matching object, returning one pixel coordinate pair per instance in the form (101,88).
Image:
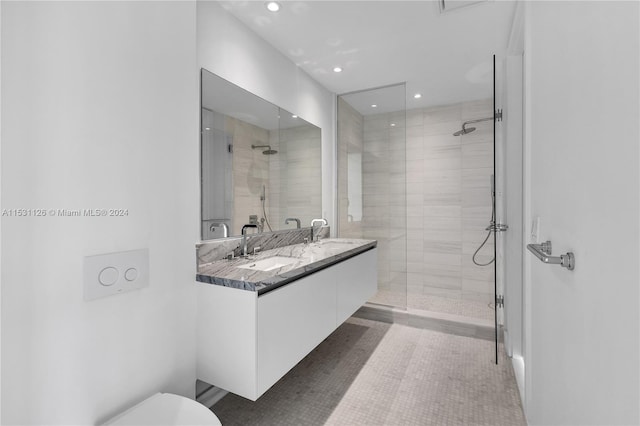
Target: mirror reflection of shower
(263,199)
(267,151)
(240,134)
(263,196)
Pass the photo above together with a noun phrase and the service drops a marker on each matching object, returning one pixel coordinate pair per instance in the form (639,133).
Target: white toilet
(166,409)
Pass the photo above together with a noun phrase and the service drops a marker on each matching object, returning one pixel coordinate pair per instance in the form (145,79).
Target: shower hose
(490,229)
(264,212)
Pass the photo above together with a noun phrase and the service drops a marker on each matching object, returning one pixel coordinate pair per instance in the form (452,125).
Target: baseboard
(518,369)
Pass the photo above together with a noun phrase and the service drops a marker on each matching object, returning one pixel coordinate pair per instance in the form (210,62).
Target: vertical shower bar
(495,245)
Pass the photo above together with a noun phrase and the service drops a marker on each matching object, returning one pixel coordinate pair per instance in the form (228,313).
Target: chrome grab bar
(543,252)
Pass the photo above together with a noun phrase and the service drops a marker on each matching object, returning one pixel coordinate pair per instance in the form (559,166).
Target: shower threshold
(436,321)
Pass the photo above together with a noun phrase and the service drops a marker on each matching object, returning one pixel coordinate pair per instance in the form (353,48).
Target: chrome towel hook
(543,252)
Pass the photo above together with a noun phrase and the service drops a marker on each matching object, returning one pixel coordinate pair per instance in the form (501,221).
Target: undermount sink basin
(269,264)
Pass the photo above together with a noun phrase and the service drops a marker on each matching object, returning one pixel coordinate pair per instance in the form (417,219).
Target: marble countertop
(304,259)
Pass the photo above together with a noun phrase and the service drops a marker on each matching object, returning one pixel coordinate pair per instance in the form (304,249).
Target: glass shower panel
(450,169)
(372,182)
(217,176)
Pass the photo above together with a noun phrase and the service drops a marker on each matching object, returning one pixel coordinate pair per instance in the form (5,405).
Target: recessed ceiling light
(337,69)
(207,128)
(417,96)
(273,6)
(374,106)
(294,116)
(393,124)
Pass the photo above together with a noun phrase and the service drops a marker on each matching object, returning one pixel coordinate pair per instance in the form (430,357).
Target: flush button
(115,273)
(131,274)
(108,276)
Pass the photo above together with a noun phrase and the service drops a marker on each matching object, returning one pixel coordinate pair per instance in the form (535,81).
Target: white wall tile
(475,110)
(415,117)
(441,114)
(441,187)
(446,128)
(477,155)
(453,211)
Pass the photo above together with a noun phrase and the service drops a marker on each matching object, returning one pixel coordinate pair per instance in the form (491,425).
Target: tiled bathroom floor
(374,373)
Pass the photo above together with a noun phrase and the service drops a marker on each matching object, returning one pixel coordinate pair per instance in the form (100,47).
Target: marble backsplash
(213,250)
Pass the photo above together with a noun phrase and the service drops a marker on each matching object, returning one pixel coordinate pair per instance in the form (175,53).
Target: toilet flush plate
(113,273)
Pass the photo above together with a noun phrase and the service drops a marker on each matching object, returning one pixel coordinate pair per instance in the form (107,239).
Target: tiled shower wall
(448,203)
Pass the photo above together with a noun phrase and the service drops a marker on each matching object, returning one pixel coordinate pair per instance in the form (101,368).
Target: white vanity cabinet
(246,342)
(292,320)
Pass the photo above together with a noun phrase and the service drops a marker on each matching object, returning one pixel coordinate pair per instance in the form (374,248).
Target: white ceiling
(447,57)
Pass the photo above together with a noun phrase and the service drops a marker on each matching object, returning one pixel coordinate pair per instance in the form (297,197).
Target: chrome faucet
(244,237)
(291,219)
(323,222)
(225,228)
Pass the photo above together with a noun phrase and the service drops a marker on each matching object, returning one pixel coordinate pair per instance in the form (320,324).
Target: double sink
(279,266)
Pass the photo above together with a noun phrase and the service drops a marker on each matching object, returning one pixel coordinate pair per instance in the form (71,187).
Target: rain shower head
(267,151)
(464,131)
(497,116)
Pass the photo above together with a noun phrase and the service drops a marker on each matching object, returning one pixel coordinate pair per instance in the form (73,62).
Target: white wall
(229,49)
(101,106)
(0,209)
(99,110)
(582,98)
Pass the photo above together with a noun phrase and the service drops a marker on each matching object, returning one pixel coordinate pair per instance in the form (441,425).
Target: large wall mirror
(259,164)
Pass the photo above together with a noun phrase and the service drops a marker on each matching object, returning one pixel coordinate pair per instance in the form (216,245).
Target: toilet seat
(166,409)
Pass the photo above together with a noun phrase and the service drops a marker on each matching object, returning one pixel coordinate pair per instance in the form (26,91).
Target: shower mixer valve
(496,227)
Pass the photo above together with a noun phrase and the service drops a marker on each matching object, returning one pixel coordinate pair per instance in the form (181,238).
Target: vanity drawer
(292,321)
